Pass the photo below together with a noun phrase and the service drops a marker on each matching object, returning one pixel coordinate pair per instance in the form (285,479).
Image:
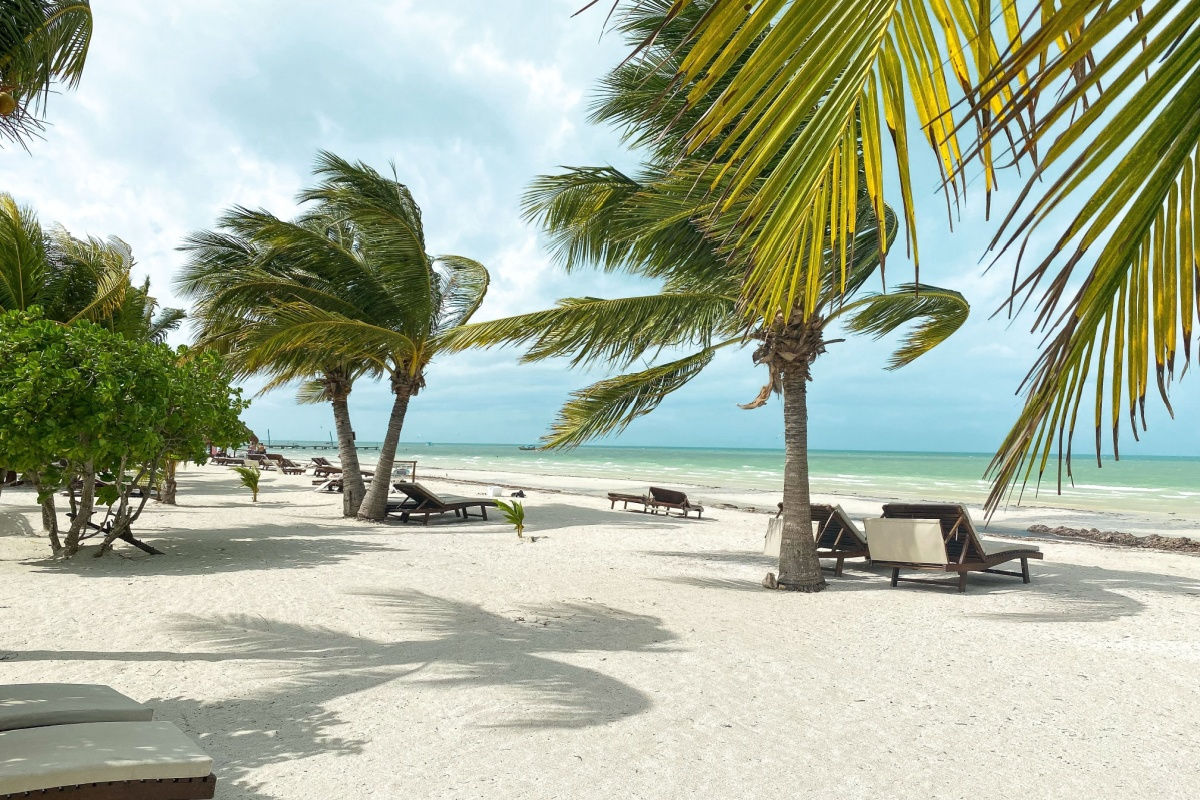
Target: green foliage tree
(41,42)
(83,401)
(348,287)
(653,225)
(1097,98)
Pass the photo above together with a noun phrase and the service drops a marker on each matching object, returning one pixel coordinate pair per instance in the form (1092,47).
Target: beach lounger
(667,499)
(837,536)
(941,538)
(103,761)
(422,501)
(622,497)
(285,465)
(336,484)
(322,467)
(32,705)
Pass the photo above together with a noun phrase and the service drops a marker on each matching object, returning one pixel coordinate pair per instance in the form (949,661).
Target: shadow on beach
(253,547)
(462,646)
(13,522)
(1065,592)
(555,516)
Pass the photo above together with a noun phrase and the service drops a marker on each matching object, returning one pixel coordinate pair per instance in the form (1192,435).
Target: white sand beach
(619,655)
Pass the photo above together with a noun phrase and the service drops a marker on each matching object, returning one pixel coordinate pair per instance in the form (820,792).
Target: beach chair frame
(837,536)
(667,499)
(965,552)
(158,789)
(423,502)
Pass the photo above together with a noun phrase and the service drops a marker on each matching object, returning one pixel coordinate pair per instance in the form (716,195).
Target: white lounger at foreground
(31,705)
(134,759)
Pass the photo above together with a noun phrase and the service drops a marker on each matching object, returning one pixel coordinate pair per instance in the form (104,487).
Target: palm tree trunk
(799,568)
(374,507)
(353,489)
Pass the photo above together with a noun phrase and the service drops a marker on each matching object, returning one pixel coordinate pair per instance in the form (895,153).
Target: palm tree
(1082,90)
(41,41)
(69,278)
(352,286)
(652,225)
(239,278)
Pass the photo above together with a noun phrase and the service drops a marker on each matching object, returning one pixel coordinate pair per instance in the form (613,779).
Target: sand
(620,655)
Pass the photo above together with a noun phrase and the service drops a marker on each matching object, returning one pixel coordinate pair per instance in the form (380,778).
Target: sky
(190,107)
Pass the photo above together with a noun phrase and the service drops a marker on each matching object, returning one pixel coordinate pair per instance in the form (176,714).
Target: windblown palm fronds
(69,278)
(41,41)
(797,102)
(1098,97)
(346,290)
(1118,151)
(656,225)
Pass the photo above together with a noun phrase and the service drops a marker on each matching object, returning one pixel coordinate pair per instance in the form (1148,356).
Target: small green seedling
(250,476)
(514,512)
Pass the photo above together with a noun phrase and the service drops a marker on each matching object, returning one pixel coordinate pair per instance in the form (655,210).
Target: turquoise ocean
(1146,484)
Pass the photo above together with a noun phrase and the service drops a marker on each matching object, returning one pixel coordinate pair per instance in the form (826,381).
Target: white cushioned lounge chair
(922,537)
(103,761)
(32,705)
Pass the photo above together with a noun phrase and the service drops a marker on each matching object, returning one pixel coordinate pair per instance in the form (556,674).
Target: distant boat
(528,447)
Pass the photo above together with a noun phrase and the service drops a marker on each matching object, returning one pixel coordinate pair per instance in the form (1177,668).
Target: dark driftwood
(964,549)
(164,789)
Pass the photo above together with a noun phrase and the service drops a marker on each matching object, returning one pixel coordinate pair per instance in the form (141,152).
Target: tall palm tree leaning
(653,225)
(345,291)
(238,278)
(41,42)
(1098,97)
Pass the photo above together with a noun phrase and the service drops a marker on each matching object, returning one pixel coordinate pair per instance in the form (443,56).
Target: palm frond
(808,89)
(609,406)
(23,259)
(165,321)
(308,331)
(461,290)
(387,220)
(941,311)
(591,330)
(1119,286)
(41,41)
(313,392)
(103,265)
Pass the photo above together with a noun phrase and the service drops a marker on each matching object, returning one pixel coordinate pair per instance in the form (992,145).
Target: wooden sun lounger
(286,465)
(622,497)
(939,537)
(323,469)
(103,761)
(667,499)
(837,536)
(423,501)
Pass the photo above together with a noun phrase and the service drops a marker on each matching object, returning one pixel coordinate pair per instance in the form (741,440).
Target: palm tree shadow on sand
(462,646)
